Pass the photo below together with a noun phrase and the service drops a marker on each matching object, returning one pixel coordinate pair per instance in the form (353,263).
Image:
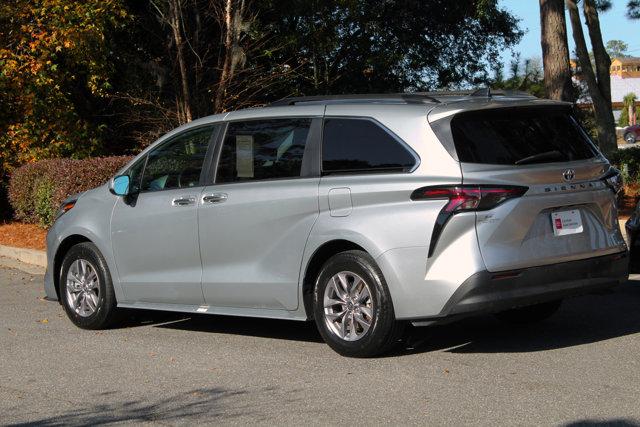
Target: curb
(28,256)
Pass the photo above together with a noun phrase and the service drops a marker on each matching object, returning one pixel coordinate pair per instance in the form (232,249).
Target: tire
(531,313)
(88,304)
(630,138)
(373,306)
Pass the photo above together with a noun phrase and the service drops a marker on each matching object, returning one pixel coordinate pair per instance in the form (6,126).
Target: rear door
(254,220)
(568,211)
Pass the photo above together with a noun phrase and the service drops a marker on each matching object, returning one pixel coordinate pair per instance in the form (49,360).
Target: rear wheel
(353,308)
(86,289)
(531,313)
(630,138)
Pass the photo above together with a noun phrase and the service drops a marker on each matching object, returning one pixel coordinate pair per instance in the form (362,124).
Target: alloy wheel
(83,288)
(348,306)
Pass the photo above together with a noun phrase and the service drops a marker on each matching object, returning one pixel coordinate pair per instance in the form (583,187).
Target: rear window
(520,136)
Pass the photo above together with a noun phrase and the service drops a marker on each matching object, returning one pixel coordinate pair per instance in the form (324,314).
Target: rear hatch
(568,210)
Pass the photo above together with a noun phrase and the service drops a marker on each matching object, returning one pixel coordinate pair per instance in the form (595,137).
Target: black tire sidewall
(106,300)
(375,340)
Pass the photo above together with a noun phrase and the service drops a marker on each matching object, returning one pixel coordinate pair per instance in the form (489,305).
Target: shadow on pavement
(265,328)
(580,320)
(607,423)
(201,404)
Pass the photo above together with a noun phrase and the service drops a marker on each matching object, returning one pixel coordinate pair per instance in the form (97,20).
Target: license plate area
(566,222)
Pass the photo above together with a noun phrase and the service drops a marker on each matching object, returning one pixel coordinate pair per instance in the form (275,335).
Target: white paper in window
(244,156)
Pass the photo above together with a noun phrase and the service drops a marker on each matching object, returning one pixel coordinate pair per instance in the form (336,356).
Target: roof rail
(409,98)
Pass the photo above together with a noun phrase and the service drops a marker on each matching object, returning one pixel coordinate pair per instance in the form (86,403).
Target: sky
(613,24)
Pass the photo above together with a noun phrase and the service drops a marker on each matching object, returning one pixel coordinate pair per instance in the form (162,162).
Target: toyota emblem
(569,174)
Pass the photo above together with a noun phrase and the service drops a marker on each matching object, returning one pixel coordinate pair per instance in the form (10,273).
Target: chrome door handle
(183,201)
(214,198)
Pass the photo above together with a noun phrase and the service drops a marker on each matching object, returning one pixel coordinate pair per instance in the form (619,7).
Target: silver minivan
(364,213)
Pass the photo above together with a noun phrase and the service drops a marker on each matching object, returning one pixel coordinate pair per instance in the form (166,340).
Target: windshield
(520,136)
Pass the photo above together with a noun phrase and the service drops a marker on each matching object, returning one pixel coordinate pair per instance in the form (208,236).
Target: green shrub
(36,190)
(628,161)
(43,207)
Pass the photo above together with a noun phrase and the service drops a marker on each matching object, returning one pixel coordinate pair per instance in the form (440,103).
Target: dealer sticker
(566,222)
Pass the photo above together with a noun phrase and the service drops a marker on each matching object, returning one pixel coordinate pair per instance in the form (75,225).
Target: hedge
(628,161)
(36,190)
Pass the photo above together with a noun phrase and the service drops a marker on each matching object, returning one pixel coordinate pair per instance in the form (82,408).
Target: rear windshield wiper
(547,155)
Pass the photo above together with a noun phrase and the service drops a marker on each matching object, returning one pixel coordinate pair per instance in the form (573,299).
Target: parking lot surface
(580,367)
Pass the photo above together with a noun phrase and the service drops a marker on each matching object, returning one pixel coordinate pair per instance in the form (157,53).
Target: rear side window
(263,149)
(520,136)
(360,145)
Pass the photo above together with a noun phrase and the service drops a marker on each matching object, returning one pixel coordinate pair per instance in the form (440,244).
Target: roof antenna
(484,92)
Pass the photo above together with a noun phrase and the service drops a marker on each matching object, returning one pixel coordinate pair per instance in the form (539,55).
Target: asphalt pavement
(581,367)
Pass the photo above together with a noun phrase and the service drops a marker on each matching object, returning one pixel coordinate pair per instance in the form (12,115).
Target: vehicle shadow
(232,325)
(580,320)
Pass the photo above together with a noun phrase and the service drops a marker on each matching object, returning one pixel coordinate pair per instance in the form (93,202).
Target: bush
(36,190)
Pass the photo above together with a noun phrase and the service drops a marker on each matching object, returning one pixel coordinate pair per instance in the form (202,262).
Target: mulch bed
(22,235)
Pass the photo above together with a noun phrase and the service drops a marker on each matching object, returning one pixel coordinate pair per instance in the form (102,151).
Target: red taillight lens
(469,197)
(463,198)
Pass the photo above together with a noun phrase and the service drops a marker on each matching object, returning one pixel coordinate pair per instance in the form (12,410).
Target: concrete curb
(28,256)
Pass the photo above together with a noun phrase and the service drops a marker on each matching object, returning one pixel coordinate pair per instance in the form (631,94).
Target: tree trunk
(174,22)
(233,22)
(555,50)
(602,59)
(601,102)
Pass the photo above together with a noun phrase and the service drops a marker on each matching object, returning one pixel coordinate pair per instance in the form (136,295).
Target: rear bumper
(486,292)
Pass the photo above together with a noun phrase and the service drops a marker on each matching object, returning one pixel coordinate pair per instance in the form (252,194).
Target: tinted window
(263,149)
(178,162)
(352,145)
(519,136)
(135,173)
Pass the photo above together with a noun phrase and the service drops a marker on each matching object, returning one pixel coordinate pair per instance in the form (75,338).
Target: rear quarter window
(514,136)
(356,145)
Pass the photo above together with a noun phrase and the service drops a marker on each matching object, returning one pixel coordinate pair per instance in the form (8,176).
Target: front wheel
(531,313)
(86,289)
(353,308)
(630,138)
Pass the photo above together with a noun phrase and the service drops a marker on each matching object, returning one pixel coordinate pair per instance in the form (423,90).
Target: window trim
(210,145)
(309,168)
(375,171)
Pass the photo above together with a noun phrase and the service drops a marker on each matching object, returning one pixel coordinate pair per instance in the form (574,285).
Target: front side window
(361,145)
(263,149)
(178,162)
(135,174)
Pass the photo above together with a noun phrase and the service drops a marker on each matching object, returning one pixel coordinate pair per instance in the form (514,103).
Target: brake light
(464,198)
(613,179)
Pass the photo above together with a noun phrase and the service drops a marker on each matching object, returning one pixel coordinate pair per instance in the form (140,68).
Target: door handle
(214,198)
(183,201)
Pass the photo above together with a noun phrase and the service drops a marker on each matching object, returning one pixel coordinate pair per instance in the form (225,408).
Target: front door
(154,232)
(255,220)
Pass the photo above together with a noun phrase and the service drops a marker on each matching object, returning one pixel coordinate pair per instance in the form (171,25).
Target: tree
(617,48)
(629,100)
(555,50)
(598,81)
(633,9)
(55,76)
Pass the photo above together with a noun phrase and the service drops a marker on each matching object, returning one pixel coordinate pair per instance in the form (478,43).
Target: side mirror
(120,185)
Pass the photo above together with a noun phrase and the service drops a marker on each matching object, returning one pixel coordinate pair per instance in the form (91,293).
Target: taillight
(464,198)
(613,179)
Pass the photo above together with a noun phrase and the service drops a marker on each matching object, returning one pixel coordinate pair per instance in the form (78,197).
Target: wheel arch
(315,263)
(63,248)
